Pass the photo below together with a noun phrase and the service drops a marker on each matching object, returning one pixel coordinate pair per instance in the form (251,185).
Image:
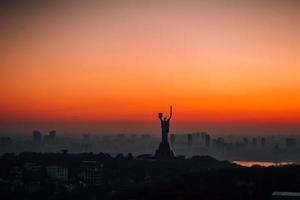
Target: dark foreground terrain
(100,176)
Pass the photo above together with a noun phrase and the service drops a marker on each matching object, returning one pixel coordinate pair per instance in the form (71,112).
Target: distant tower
(37,136)
(263,142)
(220,142)
(254,141)
(86,144)
(5,141)
(190,140)
(207,140)
(52,134)
(203,134)
(291,143)
(50,139)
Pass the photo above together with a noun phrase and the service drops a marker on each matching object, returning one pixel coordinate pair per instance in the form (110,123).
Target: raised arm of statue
(171,113)
(160,115)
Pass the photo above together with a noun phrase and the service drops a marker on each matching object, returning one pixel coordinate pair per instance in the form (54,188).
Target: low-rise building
(91,172)
(57,172)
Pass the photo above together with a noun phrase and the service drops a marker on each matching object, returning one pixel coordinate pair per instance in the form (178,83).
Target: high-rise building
(37,136)
(203,134)
(291,143)
(50,138)
(220,142)
(52,134)
(263,142)
(5,141)
(190,140)
(86,143)
(196,138)
(254,141)
(207,140)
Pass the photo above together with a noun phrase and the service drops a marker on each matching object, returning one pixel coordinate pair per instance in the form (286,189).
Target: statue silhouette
(165,125)
(164,151)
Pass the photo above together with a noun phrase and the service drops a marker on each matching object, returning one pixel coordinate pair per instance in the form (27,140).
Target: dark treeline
(101,176)
(247,184)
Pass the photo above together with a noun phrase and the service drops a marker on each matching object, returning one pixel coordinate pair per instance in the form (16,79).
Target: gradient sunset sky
(111,66)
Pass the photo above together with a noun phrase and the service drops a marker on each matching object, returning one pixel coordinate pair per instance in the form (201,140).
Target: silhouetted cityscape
(132,167)
(52,166)
(261,148)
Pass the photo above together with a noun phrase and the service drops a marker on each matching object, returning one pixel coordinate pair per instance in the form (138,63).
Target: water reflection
(262,164)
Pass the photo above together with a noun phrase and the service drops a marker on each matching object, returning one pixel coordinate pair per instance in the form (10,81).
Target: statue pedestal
(164,151)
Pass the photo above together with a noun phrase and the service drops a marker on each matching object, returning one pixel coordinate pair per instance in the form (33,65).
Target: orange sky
(219,63)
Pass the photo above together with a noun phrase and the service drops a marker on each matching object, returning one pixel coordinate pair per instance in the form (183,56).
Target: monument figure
(164,150)
(165,124)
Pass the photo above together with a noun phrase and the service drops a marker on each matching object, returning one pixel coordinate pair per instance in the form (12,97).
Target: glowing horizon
(220,62)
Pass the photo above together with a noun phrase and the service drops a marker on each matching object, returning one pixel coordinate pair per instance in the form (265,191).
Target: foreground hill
(100,176)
